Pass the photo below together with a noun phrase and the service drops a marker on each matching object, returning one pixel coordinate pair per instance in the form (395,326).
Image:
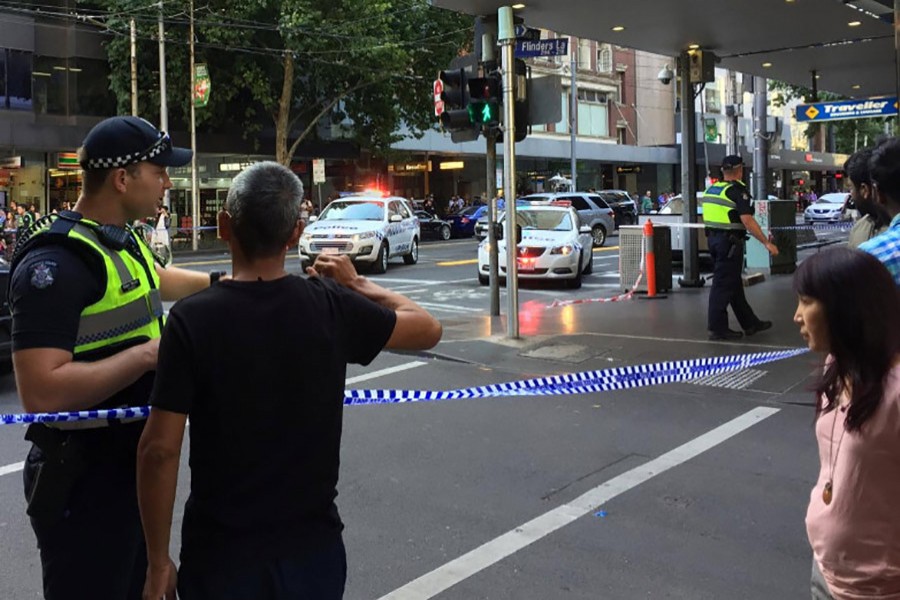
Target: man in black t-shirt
(258,363)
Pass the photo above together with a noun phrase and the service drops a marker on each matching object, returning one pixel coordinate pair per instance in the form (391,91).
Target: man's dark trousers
(727,250)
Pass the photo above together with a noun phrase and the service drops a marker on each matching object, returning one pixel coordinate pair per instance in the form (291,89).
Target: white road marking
(447,308)
(408,281)
(16,467)
(13,468)
(433,583)
(387,371)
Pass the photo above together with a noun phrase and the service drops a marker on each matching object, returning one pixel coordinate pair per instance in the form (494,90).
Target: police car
(554,245)
(368,228)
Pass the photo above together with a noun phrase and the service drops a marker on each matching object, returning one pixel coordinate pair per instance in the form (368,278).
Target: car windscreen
(353,211)
(547,220)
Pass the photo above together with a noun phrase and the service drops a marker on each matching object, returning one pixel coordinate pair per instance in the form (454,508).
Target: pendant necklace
(828,492)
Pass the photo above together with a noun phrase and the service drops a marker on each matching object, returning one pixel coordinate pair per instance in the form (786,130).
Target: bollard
(650,262)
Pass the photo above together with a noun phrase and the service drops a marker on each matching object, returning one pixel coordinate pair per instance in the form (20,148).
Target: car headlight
(365,235)
(564,250)
(486,246)
(306,237)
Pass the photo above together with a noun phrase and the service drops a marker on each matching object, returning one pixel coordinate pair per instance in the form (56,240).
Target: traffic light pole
(507,38)
(490,171)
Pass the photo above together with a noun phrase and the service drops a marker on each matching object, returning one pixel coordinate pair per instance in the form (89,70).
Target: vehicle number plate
(330,251)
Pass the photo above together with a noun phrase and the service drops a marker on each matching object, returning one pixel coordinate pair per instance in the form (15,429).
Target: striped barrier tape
(586,382)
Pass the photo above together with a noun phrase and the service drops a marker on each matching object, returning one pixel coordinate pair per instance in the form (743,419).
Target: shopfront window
(89,88)
(593,114)
(15,79)
(51,86)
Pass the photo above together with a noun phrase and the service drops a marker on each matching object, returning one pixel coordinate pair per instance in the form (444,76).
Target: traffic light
(455,95)
(484,101)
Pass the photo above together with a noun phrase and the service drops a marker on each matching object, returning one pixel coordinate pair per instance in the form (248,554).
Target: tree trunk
(283,116)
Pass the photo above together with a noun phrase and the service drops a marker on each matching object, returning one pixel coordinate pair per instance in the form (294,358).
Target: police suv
(368,228)
(554,245)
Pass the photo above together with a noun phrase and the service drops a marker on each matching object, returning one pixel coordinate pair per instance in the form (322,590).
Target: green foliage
(372,61)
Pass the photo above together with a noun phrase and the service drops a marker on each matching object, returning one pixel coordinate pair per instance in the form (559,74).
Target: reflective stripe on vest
(131,306)
(717,206)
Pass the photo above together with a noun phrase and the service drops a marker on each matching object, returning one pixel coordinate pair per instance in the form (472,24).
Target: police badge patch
(43,274)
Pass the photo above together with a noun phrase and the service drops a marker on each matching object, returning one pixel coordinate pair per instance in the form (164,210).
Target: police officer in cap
(86,295)
(728,216)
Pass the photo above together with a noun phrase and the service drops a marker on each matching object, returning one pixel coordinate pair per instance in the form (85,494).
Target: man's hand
(161,582)
(772,248)
(336,266)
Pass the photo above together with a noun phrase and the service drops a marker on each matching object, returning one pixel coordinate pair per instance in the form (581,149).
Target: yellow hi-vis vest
(131,307)
(716,206)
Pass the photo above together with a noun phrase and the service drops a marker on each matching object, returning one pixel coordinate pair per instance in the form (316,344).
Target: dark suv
(622,205)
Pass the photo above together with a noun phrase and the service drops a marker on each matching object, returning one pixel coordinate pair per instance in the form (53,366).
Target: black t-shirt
(740,195)
(49,288)
(260,369)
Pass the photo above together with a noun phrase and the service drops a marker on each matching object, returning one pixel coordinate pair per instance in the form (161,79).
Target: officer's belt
(92,424)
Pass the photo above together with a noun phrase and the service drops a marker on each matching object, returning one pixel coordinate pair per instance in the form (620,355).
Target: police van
(368,228)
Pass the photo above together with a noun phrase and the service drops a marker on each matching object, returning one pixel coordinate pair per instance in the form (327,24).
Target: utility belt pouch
(63,463)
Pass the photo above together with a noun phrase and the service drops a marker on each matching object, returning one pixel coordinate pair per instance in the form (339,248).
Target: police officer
(728,216)
(86,296)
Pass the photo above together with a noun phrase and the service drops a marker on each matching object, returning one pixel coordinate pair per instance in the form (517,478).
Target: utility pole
(507,43)
(731,124)
(195,192)
(691,259)
(163,108)
(573,110)
(134,86)
(761,140)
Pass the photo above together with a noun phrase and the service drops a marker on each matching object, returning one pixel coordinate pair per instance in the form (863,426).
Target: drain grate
(737,380)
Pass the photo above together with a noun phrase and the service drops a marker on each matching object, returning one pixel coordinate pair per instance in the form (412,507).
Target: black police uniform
(726,246)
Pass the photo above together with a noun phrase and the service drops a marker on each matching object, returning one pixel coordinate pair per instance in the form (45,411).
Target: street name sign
(555,47)
(861,108)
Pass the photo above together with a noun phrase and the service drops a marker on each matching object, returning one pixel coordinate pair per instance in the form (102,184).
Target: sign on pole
(861,108)
(528,49)
(202,85)
(438,102)
(318,170)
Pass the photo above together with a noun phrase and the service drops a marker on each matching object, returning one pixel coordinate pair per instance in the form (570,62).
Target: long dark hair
(862,311)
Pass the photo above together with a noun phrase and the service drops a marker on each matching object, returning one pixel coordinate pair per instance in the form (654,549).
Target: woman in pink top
(849,311)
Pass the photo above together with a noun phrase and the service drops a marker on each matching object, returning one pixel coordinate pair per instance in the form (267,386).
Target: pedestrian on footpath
(873,218)
(884,170)
(852,519)
(86,297)
(647,203)
(728,217)
(265,396)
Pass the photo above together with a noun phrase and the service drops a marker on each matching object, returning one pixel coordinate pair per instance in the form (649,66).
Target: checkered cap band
(163,144)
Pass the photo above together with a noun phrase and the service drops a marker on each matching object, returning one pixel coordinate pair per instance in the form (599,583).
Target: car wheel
(483,279)
(381,262)
(445,232)
(599,235)
(413,256)
(590,266)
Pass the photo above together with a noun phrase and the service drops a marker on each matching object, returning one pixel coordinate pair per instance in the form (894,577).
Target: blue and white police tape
(586,382)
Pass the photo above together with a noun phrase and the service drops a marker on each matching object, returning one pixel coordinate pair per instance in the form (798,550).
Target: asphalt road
(559,496)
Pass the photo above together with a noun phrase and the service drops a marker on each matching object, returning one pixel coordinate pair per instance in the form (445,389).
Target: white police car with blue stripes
(367,227)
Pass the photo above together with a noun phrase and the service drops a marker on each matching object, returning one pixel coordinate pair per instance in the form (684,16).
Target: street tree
(298,70)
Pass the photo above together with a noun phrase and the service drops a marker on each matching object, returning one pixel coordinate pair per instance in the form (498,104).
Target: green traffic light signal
(484,113)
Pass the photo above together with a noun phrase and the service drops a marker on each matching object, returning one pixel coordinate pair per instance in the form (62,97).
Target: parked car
(829,208)
(368,228)
(462,223)
(622,204)
(433,227)
(554,246)
(593,211)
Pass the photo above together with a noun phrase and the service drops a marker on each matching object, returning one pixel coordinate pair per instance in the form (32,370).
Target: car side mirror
(498,231)
(395,219)
(584,229)
(313,219)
